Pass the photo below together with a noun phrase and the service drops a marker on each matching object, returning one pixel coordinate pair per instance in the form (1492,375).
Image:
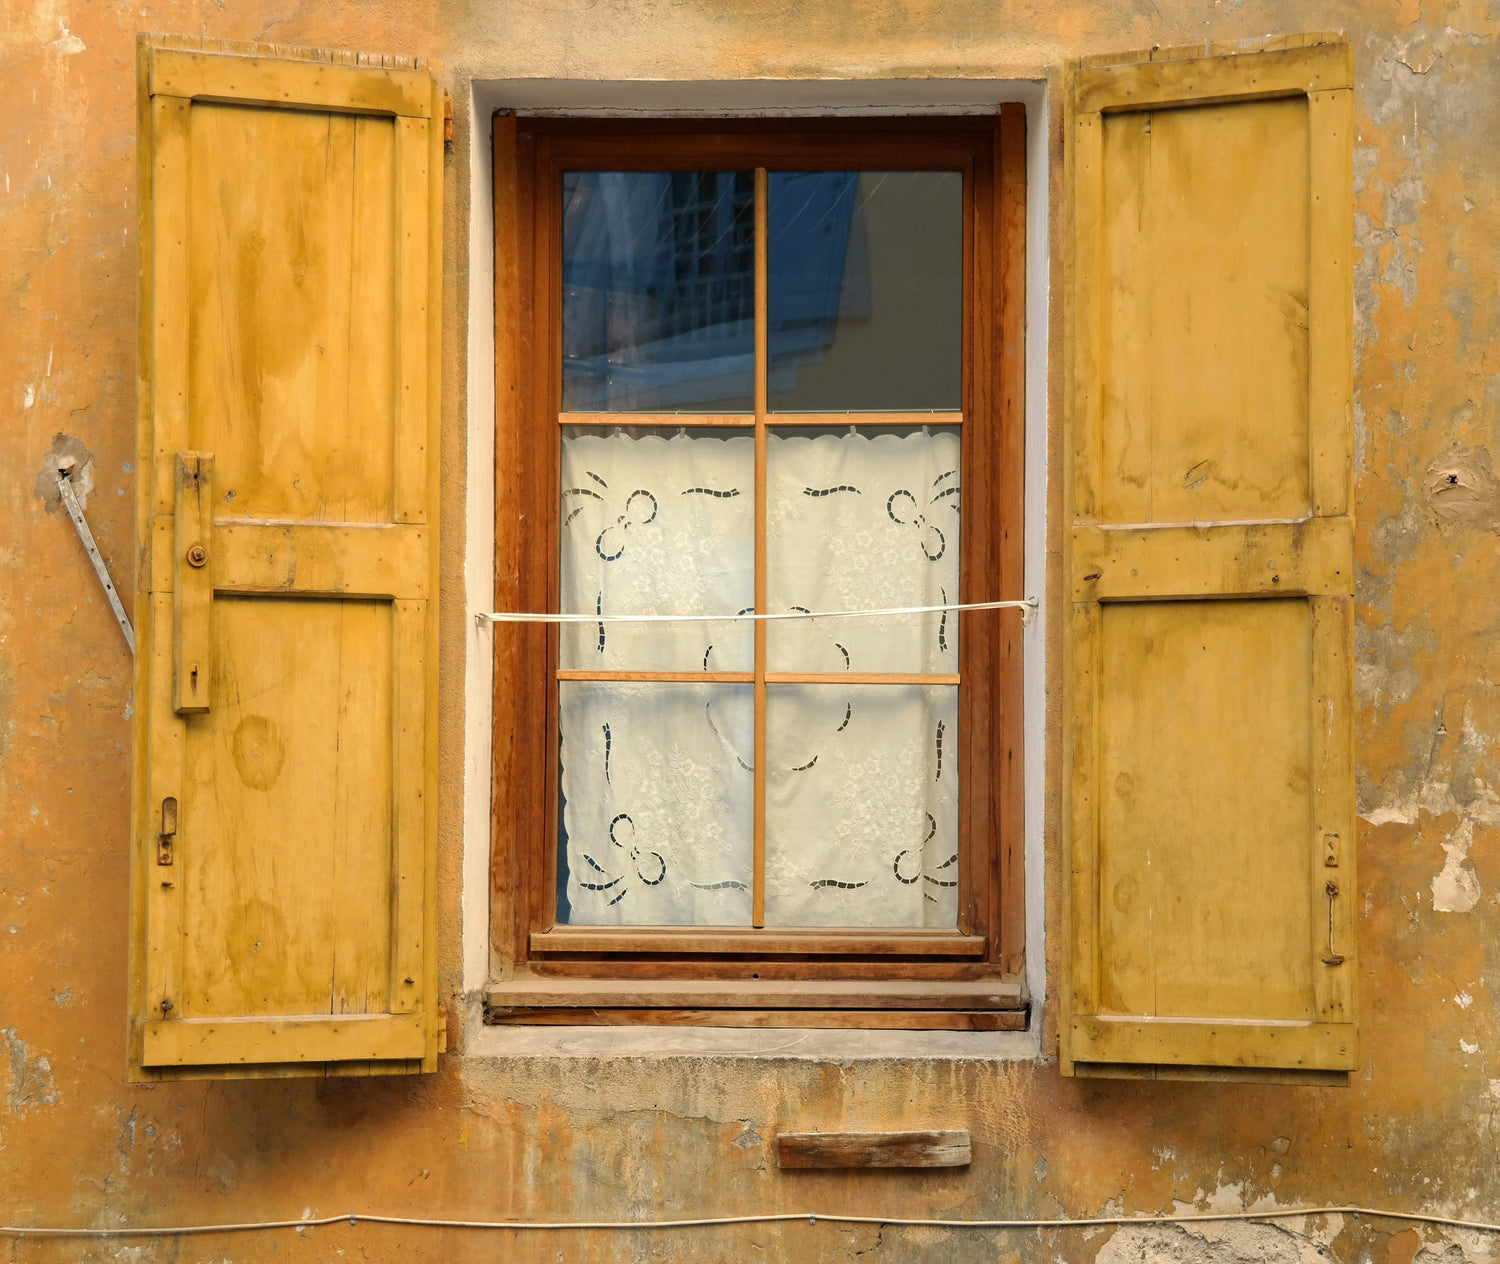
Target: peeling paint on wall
(31,1082)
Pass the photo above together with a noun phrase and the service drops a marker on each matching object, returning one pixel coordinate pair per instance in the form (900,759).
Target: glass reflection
(658,291)
(865,290)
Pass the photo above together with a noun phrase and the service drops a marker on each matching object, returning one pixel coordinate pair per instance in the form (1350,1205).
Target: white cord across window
(1027,607)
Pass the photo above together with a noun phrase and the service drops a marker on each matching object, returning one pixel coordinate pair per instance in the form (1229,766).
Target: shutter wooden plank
(1208,753)
(1332,728)
(1314,1046)
(192,586)
(409,761)
(1330,365)
(362,559)
(163,780)
(1082,319)
(411,332)
(1146,83)
(294,275)
(306,85)
(270,1040)
(1214,560)
(169,294)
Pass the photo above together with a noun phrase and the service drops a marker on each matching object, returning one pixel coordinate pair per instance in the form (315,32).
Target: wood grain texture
(298,344)
(1209,557)
(212,76)
(192,583)
(979,994)
(1141,84)
(1204,333)
(881,1019)
(949,1148)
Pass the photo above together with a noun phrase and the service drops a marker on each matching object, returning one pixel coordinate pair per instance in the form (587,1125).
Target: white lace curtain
(861,780)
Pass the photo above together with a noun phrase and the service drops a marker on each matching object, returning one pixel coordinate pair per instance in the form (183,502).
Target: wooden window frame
(968,978)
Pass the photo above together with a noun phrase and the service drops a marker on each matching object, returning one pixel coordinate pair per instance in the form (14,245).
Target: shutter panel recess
(1209,843)
(283,854)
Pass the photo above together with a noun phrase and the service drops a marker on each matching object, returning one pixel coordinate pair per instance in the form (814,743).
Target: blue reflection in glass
(658,291)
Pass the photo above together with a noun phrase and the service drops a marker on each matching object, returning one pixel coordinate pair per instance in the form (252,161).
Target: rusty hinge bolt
(197,555)
(166,1006)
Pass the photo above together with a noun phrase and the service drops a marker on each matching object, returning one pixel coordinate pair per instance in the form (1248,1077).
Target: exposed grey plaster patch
(1039,1169)
(1401,269)
(1429,84)
(67,452)
(1233,1243)
(1459,300)
(1361,436)
(1384,672)
(63,997)
(1453,783)
(30,1076)
(1403,201)
(749,1139)
(1365,157)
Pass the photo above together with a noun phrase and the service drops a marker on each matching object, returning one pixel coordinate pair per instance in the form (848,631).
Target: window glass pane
(658,291)
(861,805)
(863,521)
(657,521)
(865,290)
(655,819)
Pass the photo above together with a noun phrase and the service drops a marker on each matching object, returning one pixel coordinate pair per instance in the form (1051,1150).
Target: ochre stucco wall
(687,1136)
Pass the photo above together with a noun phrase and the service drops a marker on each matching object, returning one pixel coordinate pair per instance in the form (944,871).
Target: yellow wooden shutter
(285,744)
(1209,841)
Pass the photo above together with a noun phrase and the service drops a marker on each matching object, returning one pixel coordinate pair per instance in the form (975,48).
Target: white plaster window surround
(742,98)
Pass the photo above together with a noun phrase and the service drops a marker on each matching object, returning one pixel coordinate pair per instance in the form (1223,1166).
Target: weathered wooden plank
(1331,848)
(1330,302)
(412,333)
(947,1148)
(307,85)
(192,586)
(1204,812)
(974,994)
(366,560)
(1203,307)
(1315,556)
(843,1019)
(1205,80)
(410,754)
(1220,1042)
(170,300)
(295,1038)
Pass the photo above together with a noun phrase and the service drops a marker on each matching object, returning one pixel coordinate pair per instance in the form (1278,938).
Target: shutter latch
(168,834)
(1331,958)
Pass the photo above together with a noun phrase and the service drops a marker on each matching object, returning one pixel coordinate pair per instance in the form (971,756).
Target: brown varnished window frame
(541,968)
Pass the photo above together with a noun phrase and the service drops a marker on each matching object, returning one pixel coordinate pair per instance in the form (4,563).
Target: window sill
(967,1005)
(802,1044)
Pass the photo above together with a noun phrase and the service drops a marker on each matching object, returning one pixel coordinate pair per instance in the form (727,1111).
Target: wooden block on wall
(873,1149)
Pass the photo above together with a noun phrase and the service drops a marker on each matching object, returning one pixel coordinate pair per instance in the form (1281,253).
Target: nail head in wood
(873,1149)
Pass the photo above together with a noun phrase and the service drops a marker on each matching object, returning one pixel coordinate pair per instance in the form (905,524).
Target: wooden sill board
(757,994)
(874,1020)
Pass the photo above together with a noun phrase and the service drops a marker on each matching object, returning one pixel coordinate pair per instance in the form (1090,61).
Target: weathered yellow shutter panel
(283,857)
(1209,843)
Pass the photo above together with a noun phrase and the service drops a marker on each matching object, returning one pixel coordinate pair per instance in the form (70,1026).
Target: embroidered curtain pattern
(657,778)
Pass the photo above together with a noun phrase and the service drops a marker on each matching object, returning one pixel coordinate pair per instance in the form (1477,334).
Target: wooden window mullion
(762,359)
